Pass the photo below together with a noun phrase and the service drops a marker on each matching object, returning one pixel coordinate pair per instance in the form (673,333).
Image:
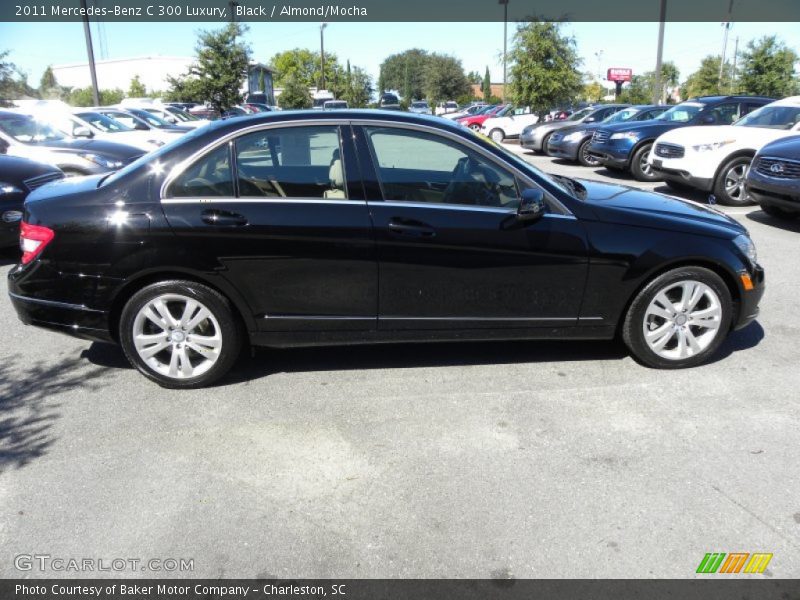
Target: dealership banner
(407,10)
(391,589)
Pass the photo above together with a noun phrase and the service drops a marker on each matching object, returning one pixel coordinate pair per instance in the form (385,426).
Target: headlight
(630,135)
(748,248)
(7,188)
(574,136)
(103,162)
(712,146)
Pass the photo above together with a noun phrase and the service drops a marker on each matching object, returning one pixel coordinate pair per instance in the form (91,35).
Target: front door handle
(410,228)
(223,218)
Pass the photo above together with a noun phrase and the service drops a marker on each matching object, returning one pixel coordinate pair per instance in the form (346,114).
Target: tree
(444,79)
(295,94)
(49,88)
(184,89)
(48,80)
(305,66)
(768,68)
(13,83)
(543,66)
(487,86)
(221,66)
(474,78)
(640,88)
(359,87)
(593,92)
(705,80)
(405,72)
(84,96)
(137,89)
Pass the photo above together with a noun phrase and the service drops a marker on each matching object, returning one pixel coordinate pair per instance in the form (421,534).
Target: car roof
(715,99)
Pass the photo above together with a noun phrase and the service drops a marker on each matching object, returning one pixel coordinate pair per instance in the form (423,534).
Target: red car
(474,122)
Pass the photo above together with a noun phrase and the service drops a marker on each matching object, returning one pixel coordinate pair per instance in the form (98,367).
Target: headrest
(336,175)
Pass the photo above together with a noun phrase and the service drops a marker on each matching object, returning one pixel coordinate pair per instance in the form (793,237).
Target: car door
(451,251)
(273,210)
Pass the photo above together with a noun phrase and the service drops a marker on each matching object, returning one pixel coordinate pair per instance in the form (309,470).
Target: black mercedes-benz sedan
(18,176)
(311,227)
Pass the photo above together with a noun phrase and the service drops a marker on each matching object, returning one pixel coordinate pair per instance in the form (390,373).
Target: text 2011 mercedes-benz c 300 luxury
(309,228)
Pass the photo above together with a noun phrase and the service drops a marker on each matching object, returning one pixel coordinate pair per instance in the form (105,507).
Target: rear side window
(291,162)
(724,114)
(208,176)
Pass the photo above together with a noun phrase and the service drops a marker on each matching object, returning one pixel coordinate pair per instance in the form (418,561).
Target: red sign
(619,74)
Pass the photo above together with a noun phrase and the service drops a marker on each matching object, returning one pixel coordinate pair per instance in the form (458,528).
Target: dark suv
(626,146)
(774,178)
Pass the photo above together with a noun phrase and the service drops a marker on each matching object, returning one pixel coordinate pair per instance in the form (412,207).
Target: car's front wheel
(640,168)
(586,158)
(180,334)
(729,187)
(498,135)
(679,319)
(475,127)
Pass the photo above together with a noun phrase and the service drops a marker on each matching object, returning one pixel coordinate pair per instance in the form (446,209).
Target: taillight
(32,240)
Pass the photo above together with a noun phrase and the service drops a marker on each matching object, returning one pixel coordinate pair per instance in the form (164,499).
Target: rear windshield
(29,131)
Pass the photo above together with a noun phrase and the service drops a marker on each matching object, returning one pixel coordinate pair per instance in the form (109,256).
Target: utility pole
(733,73)
(727,26)
(505,45)
(322,55)
(90,51)
(657,91)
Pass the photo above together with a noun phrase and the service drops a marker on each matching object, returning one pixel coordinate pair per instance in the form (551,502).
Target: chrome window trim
(255,200)
(180,167)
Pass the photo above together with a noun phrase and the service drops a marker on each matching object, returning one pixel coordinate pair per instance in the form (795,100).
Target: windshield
(29,131)
(336,104)
(681,113)
(150,118)
(419,105)
(504,111)
(181,115)
(772,117)
(623,115)
(580,114)
(102,122)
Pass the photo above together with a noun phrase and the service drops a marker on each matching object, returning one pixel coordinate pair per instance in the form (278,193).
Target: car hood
(17,168)
(547,126)
(645,129)
(625,205)
(751,137)
(565,131)
(788,147)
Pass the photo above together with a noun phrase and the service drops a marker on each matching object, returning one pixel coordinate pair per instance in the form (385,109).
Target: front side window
(415,166)
(209,176)
(125,119)
(291,162)
(723,114)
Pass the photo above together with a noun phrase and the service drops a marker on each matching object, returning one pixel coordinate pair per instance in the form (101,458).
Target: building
(118,72)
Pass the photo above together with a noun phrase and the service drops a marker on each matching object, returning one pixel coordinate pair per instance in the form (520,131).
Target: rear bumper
(76,320)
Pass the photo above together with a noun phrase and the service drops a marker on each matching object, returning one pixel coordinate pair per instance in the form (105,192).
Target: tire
(729,185)
(174,344)
(545,141)
(779,213)
(475,127)
(640,170)
(586,159)
(660,334)
(497,135)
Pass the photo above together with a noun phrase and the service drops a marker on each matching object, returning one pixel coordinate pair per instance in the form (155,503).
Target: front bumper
(781,193)
(685,171)
(531,141)
(612,153)
(564,148)
(748,307)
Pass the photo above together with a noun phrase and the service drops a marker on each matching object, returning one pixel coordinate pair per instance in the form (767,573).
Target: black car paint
(303,274)
(779,190)
(18,173)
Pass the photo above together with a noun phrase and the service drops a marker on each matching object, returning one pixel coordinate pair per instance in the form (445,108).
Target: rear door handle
(223,218)
(410,228)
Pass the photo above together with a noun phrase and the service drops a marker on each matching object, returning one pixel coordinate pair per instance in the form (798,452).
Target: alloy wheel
(734,182)
(177,336)
(589,158)
(682,320)
(645,167)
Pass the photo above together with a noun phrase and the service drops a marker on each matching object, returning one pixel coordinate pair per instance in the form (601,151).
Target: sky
(34,46)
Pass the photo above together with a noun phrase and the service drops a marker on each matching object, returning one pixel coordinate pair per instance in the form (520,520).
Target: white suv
(508,126)
(716,159)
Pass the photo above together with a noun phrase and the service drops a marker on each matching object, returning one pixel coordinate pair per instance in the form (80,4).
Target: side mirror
(138,125)
(532,205)
(81,132)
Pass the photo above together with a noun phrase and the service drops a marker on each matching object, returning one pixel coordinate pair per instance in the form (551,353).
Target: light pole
(90,52)
(322,55)
(505,43)
(657,91)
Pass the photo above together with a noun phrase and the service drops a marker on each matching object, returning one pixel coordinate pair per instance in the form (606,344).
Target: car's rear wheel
(640,168)
(585,157)
(475,127)
(779,213)
(180,334)
(497,135)
(679,319)
(729,187)
(545,141)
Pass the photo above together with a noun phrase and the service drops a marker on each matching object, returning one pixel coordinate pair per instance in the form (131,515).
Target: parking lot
(491,460)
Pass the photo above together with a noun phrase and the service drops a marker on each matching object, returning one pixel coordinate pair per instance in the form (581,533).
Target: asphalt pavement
(481,460)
